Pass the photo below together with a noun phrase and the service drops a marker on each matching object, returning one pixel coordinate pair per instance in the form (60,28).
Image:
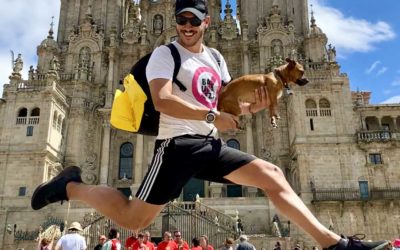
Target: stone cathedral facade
(339,152)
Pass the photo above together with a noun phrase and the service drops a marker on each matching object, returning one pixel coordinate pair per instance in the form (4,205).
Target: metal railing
(193,219)
(352,194)
(374,136)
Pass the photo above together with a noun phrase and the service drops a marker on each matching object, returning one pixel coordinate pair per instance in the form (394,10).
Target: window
(22,191)
(55,120)
(385,126)
(364,191)
(311,108)
(125,161)
(324,107)
(35,112)
(312,124)
(22,116)
(375,158)
(233,144)
(29,131)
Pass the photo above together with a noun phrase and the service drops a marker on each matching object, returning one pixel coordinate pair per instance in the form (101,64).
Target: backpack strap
(217,58)
(177,61)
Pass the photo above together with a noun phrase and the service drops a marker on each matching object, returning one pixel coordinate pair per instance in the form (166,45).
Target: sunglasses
(177,236)
(194,21)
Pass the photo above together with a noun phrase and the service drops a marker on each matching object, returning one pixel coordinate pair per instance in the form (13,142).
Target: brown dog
(242,89)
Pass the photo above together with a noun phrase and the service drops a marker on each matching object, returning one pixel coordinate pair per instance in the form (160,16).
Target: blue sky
(365,34)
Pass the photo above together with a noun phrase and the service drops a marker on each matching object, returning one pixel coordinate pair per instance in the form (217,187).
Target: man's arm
(167,103)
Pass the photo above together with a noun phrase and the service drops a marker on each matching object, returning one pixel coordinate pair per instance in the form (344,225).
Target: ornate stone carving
(18,65)
(228,29)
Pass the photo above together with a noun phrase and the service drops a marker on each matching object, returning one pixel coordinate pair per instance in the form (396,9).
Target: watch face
(210,118)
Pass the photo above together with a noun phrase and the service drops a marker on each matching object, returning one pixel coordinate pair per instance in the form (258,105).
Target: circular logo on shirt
(206,84)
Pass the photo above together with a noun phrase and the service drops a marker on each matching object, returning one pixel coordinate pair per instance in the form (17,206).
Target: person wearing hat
(72,240)
(188,144)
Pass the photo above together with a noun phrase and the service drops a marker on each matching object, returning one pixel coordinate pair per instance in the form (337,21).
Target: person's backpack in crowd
(133,109)
(114,244)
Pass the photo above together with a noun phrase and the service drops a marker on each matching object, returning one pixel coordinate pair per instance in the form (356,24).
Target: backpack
(114,244)
(133,109)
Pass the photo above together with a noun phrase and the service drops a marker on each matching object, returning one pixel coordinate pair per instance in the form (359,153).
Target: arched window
(125,161)
(233,144)
(23,112)
(324,103)
(35,112)
(311,108)
(324,107)
(34,119)
(22,116)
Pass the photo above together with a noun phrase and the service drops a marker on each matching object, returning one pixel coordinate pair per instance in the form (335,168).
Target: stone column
(216,189)
(138,159)
(246,65)
(110,79)
(249,135)
(105,151)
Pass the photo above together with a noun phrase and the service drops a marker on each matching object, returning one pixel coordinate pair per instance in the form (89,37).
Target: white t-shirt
(72,241)
(200,74)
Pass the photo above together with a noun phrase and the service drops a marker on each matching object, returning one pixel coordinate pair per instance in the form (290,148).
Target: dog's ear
(291,62)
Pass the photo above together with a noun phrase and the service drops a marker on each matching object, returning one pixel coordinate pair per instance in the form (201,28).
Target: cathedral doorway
(192,188)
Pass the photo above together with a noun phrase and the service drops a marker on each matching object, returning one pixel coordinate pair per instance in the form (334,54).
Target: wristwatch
(210,117)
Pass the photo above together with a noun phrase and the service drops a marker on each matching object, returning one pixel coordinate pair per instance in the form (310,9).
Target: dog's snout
(302,82)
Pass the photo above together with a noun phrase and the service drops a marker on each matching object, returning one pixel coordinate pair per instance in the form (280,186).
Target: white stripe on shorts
(149,182)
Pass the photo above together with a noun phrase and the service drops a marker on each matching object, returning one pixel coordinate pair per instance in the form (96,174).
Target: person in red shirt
(139,244)
(130,240)
(180,243)
(196,244)
(147,240)
(204,243)
(167,243)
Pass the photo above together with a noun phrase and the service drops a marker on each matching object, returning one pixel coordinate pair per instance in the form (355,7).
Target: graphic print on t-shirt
(206,84)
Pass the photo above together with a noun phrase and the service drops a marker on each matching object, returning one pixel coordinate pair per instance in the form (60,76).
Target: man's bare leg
(268,177)
(132,214)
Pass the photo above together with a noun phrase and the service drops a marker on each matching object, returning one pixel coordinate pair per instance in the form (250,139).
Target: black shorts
(178,159)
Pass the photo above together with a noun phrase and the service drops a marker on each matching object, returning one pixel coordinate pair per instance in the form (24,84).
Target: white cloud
(393,99)
(372,67)
(349,34)
(396,83)
(23,25)
(382,71)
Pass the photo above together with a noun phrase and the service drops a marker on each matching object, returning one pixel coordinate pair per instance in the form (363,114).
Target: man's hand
(225,121)
(262,101)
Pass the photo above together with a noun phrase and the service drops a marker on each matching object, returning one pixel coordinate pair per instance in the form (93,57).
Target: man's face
(146,237)
(190,35)
(167,237)
(178,236)
(203,242)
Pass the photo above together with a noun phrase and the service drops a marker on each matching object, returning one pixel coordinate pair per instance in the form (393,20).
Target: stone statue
(276,48)
(158,23)
(331,53)
(54,64)
(18,64)
(31,73)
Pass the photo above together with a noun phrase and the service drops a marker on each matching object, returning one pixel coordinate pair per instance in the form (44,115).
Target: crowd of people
(73,240)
